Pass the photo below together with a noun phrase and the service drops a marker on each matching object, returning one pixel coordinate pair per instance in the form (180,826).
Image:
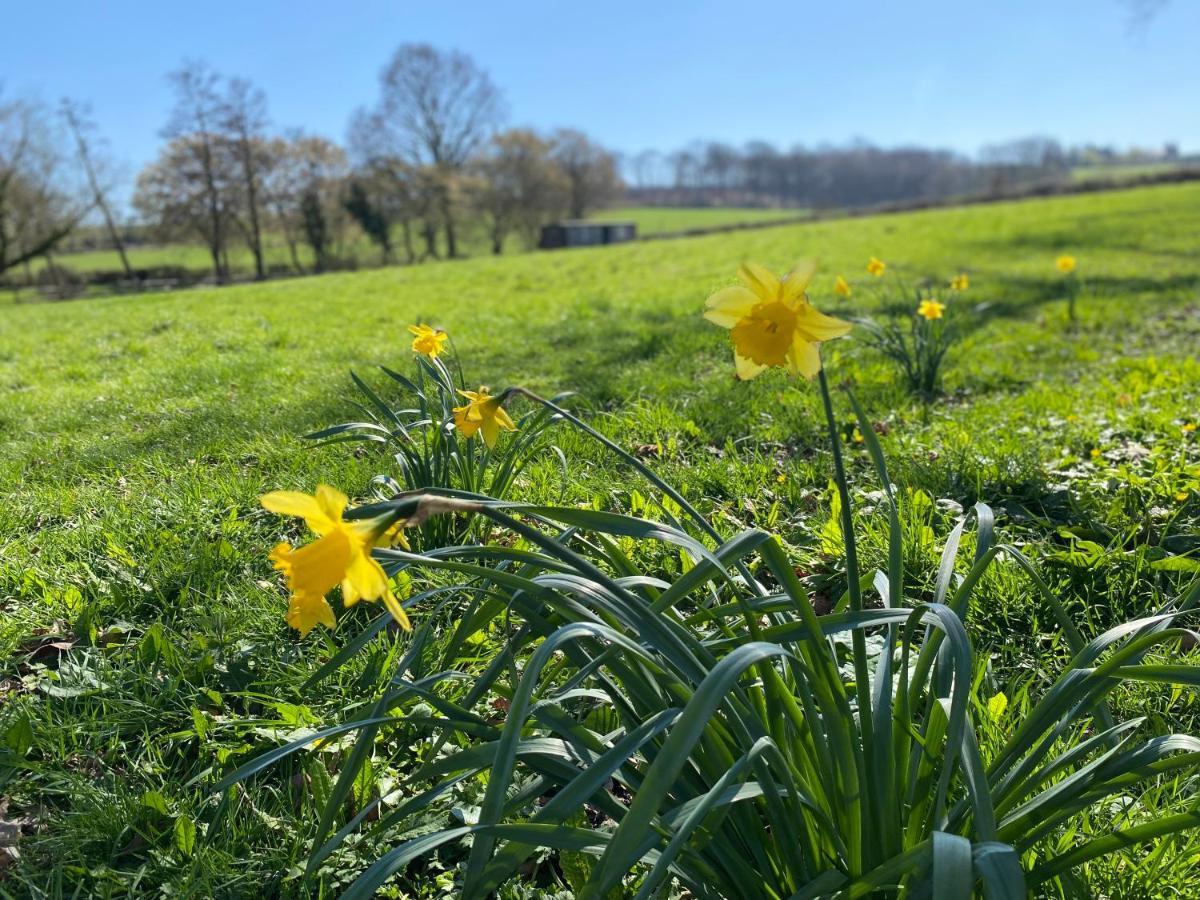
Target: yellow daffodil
(1095,453)
(341,554)
(428,341)
(876,267)
(1181,496)
(482,413)
(960,282)
(1189,427)
(841,286)
(931,309)
(1065,264)
(771,322)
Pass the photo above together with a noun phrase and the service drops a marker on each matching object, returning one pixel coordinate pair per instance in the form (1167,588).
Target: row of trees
(428,158)
(856,175)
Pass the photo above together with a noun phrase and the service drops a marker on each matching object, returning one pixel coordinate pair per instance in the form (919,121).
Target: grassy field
(667,220)
(1123,171)
(649,219)
(141,628)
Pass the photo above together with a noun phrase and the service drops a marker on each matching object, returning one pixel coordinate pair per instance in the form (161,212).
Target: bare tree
(644,167)
(435,110)
(520,187)
(303,189)
(173,194)
(194,129)
(83,130)
(243,118)
(40,203)
(591,170)
(412,190)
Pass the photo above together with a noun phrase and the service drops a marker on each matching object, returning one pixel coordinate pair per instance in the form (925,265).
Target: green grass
(667,220)
(188,256)
(1122,171)
(137,432)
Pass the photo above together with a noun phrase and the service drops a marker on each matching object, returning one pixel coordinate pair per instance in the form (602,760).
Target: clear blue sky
(640,73)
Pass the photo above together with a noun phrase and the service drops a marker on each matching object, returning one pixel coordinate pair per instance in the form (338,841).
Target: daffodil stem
(862,683)
(839,477)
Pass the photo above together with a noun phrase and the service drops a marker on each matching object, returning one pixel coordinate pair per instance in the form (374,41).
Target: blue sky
(650,74)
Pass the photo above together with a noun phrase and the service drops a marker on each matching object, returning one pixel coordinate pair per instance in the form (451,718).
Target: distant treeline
(428,156)
(713,173)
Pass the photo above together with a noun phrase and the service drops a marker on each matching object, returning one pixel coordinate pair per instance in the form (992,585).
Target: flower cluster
(341,556)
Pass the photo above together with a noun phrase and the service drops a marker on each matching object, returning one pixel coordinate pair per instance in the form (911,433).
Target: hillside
(137,432)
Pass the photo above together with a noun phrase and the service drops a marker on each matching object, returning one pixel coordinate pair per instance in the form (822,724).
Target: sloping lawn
(141,627)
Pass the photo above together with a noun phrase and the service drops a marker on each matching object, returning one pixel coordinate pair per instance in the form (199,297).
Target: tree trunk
(291,242)
(429,232)
(94,183)
(215,252)
(408,244)
(252,207)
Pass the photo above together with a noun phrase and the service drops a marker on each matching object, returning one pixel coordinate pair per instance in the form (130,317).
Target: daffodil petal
(397,611)
(816,326)
(746,368)
(804,358)
(305,611)
(466,425)
(760,280)
(365,580)
(729,305)
(796,282)
(332,501)
(294,503)
(490,430)
(504,420)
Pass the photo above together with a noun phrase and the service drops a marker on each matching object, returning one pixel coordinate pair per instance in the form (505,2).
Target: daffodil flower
(931,309)
(1065,264)
(340,555)
(771,322)
(482,413)
(876,267)
(427,341)
(841,286)
(960,282)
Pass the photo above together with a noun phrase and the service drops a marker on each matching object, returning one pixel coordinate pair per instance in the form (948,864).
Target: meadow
(194,257)
(142,629)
